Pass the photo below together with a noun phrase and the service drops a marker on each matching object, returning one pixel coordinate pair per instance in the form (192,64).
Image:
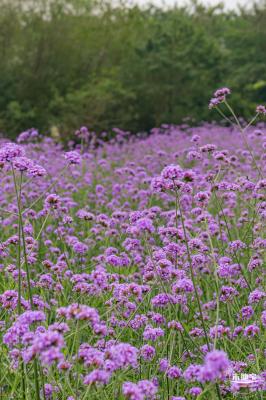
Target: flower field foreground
(134,269)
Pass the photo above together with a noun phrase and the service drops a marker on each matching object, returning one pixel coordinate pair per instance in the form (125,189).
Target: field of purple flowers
(134,268)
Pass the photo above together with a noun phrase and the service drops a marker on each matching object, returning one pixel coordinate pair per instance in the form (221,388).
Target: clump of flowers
(134,267)
(219,96)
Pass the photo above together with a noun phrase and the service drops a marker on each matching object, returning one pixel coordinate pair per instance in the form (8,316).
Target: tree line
(67,63)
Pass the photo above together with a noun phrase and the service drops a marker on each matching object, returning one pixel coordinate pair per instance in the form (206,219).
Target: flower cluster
(219,96)
(134,268)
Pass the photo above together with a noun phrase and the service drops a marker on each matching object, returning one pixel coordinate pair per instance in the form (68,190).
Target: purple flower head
(195,391)
(219,97)
(49,390)
(145,225)
(36,170)
(47,345)
(256,296)
(214,102)
(22,163)
(148,388)
(175,325)
(83,133)
(183,285)
(10,151)
(174,372)
(144,389)
(251,330)
(27,136)
(52,201)
(222,92)
(147,352)
(132,391)
(152,334)
(247,312)
(216,364)
(192,373)
(73,157)
(97,376)
(122,356)
(164,365)
(30,317)
(261,110)
(172,172)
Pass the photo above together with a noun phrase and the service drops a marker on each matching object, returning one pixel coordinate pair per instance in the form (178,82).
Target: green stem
(20,220)
(242,131)
(44,193)
(192,274)
(18,198)
(230,238)
(216,284)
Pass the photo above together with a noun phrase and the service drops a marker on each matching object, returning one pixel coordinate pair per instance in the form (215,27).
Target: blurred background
(130,64)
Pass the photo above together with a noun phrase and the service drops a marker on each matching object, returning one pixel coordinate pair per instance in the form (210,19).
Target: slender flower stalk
(47,190)
(18,189)
(242,131)
(24,251)
(18,197)
(196,289)
(192,274)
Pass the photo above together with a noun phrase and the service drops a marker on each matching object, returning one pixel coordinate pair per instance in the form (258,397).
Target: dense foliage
(69,62)
(135,269)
